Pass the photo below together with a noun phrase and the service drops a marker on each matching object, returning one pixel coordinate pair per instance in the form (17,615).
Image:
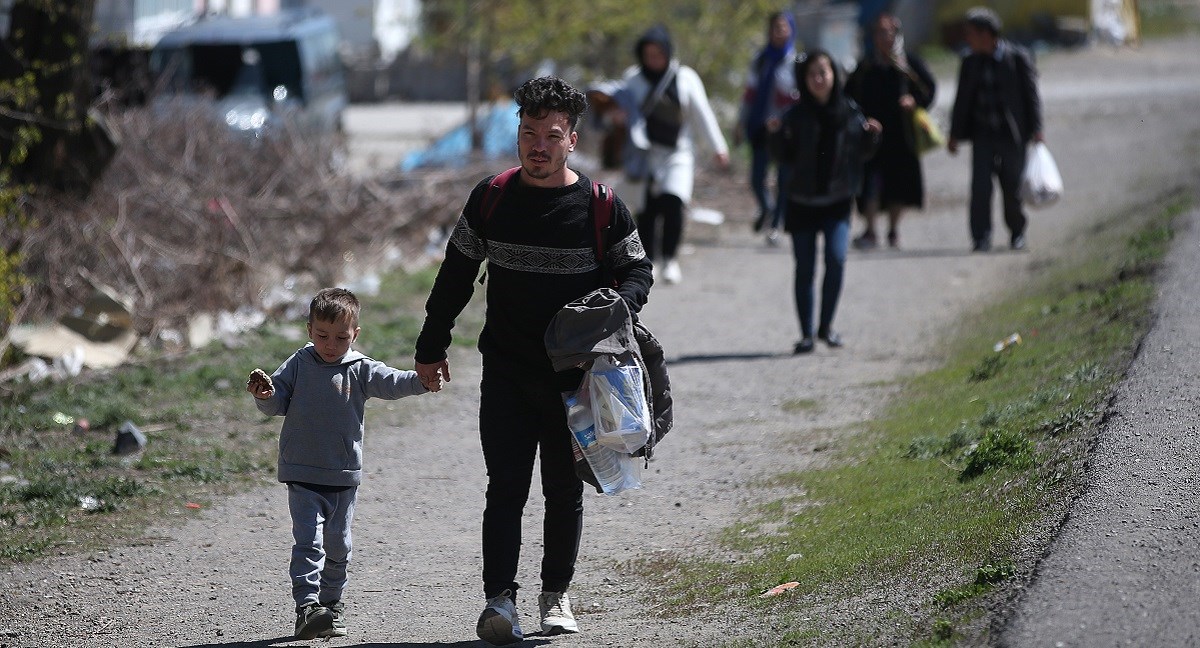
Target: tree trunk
(48,41)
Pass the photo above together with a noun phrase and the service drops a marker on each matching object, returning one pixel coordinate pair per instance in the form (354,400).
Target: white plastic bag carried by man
(609,421)
(1041,184)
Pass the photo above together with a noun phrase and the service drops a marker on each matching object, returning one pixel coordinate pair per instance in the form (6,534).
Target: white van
(257,70)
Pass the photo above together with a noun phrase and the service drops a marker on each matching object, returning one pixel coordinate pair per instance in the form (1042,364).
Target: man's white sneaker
(673,274)
(555,610)
(498,623)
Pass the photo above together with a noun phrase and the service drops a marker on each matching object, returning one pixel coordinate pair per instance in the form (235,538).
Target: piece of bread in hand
(260,382)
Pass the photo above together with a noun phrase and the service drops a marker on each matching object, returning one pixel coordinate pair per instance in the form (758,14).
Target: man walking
(540,244)
(998,108)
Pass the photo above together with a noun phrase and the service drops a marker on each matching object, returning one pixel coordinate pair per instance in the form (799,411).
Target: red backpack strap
(494,190)
(602,211)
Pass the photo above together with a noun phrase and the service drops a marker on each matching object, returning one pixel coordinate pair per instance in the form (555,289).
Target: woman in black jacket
(889,86)
(824,139)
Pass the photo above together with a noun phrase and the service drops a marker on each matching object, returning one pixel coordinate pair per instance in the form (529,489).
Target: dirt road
(1123,126)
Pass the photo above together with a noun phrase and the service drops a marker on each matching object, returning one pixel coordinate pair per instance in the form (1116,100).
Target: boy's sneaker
(338,609)
(498,623)
(313,621)
(555,610)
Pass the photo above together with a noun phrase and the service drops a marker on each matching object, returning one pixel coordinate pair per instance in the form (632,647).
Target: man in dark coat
(998,109)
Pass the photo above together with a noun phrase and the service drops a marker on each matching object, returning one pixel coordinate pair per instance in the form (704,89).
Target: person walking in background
(540,244)
(999,110)
(770,90)
(666,107)
(889,86)
(321,391)
(825,139)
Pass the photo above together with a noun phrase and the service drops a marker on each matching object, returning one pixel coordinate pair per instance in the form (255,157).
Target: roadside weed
(968,461)
(60,490)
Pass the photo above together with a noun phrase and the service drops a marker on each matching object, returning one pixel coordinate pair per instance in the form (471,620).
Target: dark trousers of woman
(833,224)
(519,411)
(668,210)
(771,212)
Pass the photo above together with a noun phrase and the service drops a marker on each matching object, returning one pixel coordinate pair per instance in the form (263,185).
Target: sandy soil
(1123,126)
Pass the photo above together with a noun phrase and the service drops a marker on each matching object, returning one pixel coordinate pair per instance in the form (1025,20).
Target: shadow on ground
(289,641)
(725,357)
(928,253)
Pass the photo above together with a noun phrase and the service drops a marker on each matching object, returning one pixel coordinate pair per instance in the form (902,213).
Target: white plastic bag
(619,404)
(1041,185)
(615,471)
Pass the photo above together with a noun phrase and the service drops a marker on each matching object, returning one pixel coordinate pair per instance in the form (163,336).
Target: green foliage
(957,472)
(998,449)
(714,38)
(987,368)
(1168,18)
(986,579)
(12,281)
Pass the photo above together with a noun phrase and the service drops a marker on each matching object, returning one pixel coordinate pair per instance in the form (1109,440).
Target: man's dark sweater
(540,244)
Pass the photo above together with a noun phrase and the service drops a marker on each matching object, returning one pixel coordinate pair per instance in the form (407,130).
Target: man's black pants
(519,410)
(1004,159)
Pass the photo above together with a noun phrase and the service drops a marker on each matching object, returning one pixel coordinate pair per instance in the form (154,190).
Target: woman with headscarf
(770,89)
(825,139)
(668,108)
(889,85)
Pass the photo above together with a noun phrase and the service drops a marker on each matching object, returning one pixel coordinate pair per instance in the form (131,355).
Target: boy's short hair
(985,19)
(334,304)
(537,97)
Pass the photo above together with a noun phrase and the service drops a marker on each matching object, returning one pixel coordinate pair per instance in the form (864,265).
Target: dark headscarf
(657,35)
(771,54)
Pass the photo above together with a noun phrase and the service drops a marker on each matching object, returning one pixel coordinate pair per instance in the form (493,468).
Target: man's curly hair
(540,96)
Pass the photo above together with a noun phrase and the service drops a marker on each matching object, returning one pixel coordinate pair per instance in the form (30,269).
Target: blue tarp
(498,127)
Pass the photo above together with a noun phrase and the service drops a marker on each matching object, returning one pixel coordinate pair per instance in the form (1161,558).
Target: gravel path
(1125,569)
(1123,126)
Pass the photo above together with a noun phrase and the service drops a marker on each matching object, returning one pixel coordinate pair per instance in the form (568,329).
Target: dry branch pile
(191,217)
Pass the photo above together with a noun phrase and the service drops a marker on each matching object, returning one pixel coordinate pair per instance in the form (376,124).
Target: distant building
(373,29)
(140,23)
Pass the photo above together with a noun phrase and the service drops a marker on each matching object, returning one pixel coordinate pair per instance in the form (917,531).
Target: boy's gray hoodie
(323,407)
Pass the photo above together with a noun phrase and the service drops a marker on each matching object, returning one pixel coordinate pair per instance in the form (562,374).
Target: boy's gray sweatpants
(321,530)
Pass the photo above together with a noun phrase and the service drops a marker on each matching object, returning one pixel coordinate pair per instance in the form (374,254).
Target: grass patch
(1161,18)
(800,405)
(62,491)
(927,510)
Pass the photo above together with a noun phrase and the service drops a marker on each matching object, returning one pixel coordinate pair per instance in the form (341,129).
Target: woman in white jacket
(668,108)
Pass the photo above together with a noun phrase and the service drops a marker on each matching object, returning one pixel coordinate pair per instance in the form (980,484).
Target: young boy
(321,392)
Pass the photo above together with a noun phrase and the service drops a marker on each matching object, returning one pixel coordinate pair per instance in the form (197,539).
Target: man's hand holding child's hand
(433,374)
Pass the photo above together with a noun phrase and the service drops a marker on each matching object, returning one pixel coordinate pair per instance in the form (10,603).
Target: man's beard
(543,169)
